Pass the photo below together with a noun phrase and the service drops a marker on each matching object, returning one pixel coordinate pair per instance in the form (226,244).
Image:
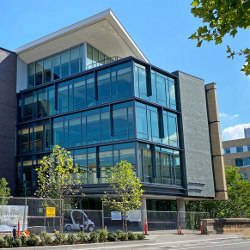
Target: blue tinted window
(124,82)
(226,150)
(65,59)
(80,158)
(238,162)
(92,179)
(74,60)
(79,94)
(90,92)
(75,131)
(58,135)
(104,88)
(93,126)
(239,149)
(105,125)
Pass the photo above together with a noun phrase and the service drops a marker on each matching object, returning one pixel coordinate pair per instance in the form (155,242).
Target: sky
(161,29)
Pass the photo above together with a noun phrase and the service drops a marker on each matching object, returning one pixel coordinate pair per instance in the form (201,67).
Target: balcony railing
(102,62)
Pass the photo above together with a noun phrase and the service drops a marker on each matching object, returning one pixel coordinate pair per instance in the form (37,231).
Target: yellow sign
(50,211)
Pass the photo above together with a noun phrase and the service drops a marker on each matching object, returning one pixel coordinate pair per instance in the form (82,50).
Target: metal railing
(103,62)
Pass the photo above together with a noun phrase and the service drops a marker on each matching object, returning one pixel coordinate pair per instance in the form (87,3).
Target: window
(248,148)
(56,67)
(79,93)
(80,158)
(64,97)
(42,109)
(38,137)
(47,70)
(124,152)
(106,162)
(141,118)
(28,107)
(239,149)
(92,178)
(145,163)
(124,82)
(65,64)
(74,60)
(47,140)
(24,139)
(122,119)
(103,85)
(238,162)
(39,72)
(140,81)
(31,74)
(58,135)
(105,125)
(74,130)
(51,100)
(173,129)
(93,126)
(245,176)
(172,93)
(91,101)
(226,150)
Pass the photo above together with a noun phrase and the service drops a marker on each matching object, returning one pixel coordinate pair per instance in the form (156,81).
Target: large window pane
(25,139)
(172,93)
(80,158)
(65,64)
(47,140)
(74,60)
(92,166)
(173,131)
(124,152)
(51,100)
(39,72)
(89,56)
(105,125)
(31,75)
(120,123)
(47,70)
(93,127)
(42,104)
(63,98)
(28,107)
(75,131)
(90,92)
(106,162)
(103,83)
(58,135)
(124,81)
(161,90)
(38,137)
(141,118)
(56,67)
(79,94)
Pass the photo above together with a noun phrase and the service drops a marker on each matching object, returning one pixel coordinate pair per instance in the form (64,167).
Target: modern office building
(237,154)
(90,89)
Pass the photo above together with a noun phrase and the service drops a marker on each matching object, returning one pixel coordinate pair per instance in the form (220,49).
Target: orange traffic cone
(179,231)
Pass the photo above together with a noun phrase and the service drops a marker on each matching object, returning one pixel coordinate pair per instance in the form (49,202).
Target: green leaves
(222,17)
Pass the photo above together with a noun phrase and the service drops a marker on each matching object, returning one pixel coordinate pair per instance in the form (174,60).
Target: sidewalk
(166,238)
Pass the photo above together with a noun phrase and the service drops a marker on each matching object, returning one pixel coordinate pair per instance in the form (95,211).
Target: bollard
(202,228)
(14,232)
(18,229)
(146,227)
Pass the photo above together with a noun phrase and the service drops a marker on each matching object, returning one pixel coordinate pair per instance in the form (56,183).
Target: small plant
(103,235)
(140,236)
(112,236)
(93,237)
(32,240)
(3,243)
(9,240)
(59,238)
(72,239)
(45,238)
(83,237)
(131,236)
(23,238)
(118,234)
(123,237)
(17,243)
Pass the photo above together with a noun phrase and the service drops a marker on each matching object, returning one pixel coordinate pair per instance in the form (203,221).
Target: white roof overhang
(103,31)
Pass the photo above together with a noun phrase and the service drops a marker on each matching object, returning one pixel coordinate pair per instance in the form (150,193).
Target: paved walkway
(156,240)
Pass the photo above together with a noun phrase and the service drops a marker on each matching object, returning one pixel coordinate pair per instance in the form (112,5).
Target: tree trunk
(61,215)
(126,224)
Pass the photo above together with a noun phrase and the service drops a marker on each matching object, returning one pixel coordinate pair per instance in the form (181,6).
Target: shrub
(118,234)
(103,235)
(123,237)
(3,243)
(32,240)
(72,239)
(17,243)
(140,236)
(83,237)
(9,240)
(112,236)
(23,238)
(59,238)
(45,238)
(93,237)
(131,236)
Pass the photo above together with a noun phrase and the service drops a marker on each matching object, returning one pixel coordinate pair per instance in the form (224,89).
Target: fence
(31,212)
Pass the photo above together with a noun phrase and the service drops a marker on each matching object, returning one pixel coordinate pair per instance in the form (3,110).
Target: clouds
(227,116)
(234,132)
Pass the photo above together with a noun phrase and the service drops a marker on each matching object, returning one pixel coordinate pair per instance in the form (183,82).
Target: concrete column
(216,145)
(181,210)
(143,212)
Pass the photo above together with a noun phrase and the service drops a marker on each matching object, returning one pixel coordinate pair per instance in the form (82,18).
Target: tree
(126,190)
(223,17)
(4,191)
(58,178)
(238,203)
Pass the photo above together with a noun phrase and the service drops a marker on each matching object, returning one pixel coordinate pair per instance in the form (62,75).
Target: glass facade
(63,64)
(121,111)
